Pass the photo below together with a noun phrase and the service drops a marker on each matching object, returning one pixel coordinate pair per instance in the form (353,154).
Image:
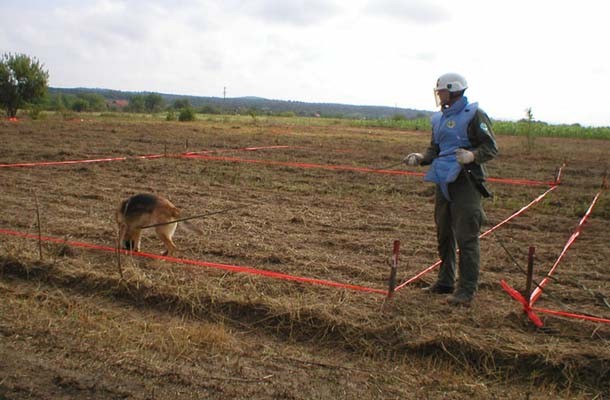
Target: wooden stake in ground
(392,281)
(39,227)
(530,272)
(118,253)
(118,240)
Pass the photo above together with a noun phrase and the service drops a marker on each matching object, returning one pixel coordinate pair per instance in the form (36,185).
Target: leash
(402,162)
(193,217)
(387,166)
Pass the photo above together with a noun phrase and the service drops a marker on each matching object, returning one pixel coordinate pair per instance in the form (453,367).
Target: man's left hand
(464,156)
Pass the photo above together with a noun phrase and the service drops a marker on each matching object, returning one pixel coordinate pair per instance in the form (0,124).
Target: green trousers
(458,223)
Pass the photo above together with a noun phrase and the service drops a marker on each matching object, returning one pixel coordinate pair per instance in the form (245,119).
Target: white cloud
(419,11)
(547,55)
(294,12)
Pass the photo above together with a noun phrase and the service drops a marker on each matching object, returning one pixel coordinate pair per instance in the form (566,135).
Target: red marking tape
(527,309)
(521,211)
(484,234)
(225,267)
(203,156)
(522,182)
(191,153)
(147,157)
(538,290)
(355,169)
(528,304)
(95,160)
(571,315)
(305,165)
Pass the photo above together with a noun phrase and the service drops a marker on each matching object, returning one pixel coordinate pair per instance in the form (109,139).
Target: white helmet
(451,82)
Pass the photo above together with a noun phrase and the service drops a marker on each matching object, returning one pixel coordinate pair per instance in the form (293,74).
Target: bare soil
(73,325)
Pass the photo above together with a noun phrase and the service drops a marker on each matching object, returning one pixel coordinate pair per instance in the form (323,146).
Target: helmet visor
(437,99)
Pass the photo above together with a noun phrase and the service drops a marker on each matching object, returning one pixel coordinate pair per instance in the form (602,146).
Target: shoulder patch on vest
(451,124)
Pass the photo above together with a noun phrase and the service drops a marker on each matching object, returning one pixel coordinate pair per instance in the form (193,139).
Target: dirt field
(72,328)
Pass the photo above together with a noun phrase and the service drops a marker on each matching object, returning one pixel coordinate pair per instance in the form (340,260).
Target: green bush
(93,101)
(208,109)
(187,114)
(171,116)
(80,105)
(35,112)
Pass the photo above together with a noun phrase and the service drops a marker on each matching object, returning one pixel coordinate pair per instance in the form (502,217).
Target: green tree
(181,103)
(80,105)
(58,102)
(22,80)
(95,102)
(136,103)
(209,109)
(153,102)
(68,100)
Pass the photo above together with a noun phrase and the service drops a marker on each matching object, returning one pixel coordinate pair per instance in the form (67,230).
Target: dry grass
(170,330)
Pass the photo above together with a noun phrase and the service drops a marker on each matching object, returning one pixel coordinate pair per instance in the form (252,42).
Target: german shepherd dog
(142,210)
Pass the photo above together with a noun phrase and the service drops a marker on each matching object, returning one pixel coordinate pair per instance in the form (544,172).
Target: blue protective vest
(450,132)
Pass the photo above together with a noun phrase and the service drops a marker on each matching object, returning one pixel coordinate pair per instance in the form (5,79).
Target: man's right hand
(413,159)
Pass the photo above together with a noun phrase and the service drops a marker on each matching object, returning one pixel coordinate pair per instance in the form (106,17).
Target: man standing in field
(462,141)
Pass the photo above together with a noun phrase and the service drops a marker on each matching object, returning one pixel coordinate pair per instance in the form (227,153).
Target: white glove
(464,156)
(413,159)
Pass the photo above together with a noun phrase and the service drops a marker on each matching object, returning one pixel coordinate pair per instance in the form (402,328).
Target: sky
(550,56)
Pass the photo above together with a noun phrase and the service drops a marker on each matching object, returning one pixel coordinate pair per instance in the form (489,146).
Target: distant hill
(263,105)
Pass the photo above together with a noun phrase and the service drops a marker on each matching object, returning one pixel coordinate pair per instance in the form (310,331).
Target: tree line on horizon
(24,86)
(149,102)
